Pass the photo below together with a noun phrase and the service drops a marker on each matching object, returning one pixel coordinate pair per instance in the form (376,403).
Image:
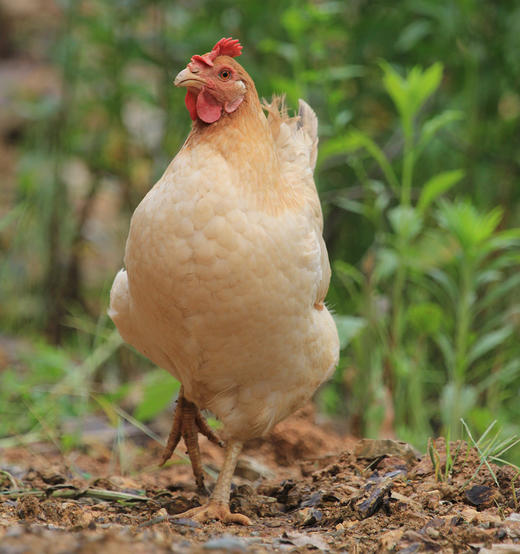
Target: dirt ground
(305,487)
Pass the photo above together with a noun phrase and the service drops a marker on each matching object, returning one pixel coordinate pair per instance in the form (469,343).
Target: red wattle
(191,103)
(208,109)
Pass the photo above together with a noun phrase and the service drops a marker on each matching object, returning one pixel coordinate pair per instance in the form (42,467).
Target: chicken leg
(187,423)
(218,505)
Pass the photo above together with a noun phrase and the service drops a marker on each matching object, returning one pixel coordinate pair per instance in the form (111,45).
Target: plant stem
(463,322)
(406,186)
(397,306)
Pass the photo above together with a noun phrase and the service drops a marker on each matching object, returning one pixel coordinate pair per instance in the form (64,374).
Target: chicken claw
(187,423)
(215,510)
(218,505)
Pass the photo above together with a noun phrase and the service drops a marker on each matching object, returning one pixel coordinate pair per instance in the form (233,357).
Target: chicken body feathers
(226,271)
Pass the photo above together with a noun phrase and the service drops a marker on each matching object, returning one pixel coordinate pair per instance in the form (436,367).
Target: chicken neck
(243,138)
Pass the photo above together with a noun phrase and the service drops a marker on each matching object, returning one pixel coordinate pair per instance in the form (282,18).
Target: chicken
(226,268)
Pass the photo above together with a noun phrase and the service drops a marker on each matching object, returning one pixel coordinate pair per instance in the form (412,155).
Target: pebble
(13,549)
(308,516)
(251,469)
(226,542)
(15,531)
(185,521)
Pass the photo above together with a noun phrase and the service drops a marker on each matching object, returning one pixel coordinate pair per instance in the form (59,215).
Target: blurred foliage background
(419,175)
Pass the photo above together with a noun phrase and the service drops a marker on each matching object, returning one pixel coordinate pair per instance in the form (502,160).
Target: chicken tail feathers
(295,137)
(308,122)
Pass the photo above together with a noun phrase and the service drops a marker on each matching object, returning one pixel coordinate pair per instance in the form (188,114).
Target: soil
(305,487)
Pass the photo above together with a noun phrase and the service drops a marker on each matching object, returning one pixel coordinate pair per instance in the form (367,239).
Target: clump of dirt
(305,487)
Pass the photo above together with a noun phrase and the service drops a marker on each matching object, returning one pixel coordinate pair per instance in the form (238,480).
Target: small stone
(308,516)
(376,448)
(302,516)
(501,549)
(469,514)
(184,521)
(14,531)
(481,496)
(484,518)
(227,543)
(313,500)
(315,540)
(433,499)
(390,539)
(251,469)
(52,478)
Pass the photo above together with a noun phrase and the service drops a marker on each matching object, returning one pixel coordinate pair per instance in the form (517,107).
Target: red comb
(224,47)
(227,47)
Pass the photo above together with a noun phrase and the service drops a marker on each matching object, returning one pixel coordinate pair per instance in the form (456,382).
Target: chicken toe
(215,511)
(187,423)
(218,504)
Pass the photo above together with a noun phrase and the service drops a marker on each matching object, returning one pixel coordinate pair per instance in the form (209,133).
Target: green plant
(491,447)
(101,130)
(450,460)
(432,286)
(473,285)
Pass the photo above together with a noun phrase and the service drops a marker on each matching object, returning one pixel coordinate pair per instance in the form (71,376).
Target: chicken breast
(227,271)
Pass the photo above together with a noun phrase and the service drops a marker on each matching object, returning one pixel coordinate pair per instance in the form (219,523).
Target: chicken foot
(187,423)
(218,505)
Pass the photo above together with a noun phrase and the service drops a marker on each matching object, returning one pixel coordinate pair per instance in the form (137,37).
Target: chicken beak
(189,79)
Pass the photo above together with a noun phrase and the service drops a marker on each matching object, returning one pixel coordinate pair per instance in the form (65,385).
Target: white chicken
(226,268)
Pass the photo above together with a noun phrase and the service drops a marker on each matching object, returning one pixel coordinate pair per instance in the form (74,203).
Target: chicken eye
(225,74)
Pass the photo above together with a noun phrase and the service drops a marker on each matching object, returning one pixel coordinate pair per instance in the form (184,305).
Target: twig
(153,521)
(11,478)
(70,492)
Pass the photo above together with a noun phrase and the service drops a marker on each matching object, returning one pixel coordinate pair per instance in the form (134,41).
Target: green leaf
(350,205)
(412,34)
(426,83)
(108,407)
(405,221)
(395,86)
(338,73)
(159,388)
(431,127)
(456,401)
(506,376)
(348,271)
(470,227)
(387,262)
(410,93)
(355,140)
(488,342)
(11,216)
(425,318)
(348,327)
(495,293)
(436,186)
(446,347)
(509,238)
(446,283)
